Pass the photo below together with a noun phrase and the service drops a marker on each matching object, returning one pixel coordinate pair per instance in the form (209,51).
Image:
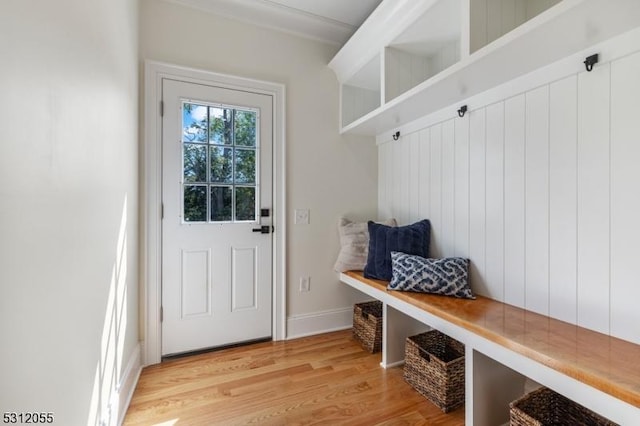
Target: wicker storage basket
(367,325)
(544,407)
(434,366)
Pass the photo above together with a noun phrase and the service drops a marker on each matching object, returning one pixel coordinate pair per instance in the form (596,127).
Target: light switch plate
(301,217)
(305,284)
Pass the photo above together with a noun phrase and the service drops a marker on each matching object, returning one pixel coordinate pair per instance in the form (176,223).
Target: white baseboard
(127,385)
(392,364)
(319,322)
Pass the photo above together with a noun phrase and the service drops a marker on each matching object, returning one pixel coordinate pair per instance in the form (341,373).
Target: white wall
(326,173)
(68,206)
(538,187)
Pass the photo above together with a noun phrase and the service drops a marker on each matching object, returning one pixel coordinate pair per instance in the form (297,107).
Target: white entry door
(216,227)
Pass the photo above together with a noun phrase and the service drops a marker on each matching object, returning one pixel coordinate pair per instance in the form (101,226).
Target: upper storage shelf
(413,57)
(361,92)
(426,47)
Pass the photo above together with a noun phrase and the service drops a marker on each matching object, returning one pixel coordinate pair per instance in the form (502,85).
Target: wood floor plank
(326,379)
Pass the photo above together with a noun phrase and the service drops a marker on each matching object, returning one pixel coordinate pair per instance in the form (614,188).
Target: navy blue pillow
(411,239)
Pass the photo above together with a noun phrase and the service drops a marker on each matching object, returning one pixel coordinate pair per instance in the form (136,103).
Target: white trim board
(152,190)
(319,322)
(126,387)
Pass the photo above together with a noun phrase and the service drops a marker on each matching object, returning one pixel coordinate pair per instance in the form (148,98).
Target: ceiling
(332,21)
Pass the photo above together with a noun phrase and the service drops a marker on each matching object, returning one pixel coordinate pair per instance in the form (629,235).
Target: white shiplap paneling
(562,199)
(540,191)
(402,170)
(425,173)
(537,200)
(625,198)
(593,198)
(448,188)
(414,170)
(494,243)
(398,157)
(461,184)
(436,191)
(514,210)
(477,179)
(385,181)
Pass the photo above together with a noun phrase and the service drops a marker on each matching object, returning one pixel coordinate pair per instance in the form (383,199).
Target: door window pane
(245,203)
(195,203)
(195,163)
(221,164)
(245,166)
(220,126)
(245,128)
(221,204)
(194,123)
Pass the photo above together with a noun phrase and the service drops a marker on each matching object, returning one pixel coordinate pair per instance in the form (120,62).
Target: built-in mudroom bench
(506,345)
(512,126)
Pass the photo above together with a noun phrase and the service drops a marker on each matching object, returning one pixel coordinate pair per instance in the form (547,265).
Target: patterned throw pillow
(354,244)
(448,276)
(410,239)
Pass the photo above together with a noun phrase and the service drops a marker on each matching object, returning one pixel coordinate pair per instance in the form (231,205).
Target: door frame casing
(151,211)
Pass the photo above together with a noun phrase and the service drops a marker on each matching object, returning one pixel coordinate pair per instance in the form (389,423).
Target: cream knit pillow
(354,242)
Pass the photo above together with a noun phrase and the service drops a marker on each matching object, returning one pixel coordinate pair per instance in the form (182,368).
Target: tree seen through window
(219,163)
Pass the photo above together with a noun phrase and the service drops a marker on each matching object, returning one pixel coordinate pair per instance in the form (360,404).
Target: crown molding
(278,17)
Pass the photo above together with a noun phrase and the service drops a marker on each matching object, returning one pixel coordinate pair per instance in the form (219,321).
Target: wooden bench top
(606,363)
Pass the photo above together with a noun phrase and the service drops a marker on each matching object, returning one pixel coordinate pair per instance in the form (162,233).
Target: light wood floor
(326,379)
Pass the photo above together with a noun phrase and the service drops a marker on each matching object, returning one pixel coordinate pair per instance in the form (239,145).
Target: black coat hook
(396,135)
(590,62)
(462,111)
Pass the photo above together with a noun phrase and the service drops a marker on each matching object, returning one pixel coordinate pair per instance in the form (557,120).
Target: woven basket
(544,407)
(367,325)
(434,366)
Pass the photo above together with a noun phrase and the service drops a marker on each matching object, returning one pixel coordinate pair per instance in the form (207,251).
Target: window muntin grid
(220,151)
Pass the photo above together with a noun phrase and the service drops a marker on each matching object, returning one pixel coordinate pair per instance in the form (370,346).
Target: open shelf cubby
(411,58)
(361,93)
(428,46)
